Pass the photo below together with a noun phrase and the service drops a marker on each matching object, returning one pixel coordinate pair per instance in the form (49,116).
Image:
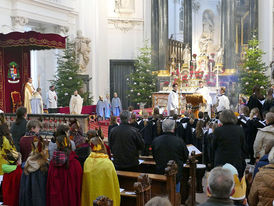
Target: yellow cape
(99,178)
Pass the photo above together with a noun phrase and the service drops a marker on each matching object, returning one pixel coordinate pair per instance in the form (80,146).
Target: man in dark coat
(125,143)
(169,147)
(220,186)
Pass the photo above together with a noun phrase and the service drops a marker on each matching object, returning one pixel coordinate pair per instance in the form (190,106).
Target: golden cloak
(99,178)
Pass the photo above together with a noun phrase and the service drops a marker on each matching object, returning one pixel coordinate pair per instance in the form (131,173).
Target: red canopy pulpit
(15,50)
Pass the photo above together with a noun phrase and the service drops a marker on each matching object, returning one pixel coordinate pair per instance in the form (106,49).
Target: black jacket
(125,141)
(217,202)
(169,147)
(146,131)
(228,147)
(17,131)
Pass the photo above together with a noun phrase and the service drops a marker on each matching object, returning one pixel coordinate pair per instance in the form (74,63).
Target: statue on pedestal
(186,55)
(82,50)
(220,56)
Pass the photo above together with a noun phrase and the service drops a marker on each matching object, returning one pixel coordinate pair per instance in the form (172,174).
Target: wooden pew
(102,201)
(142,194)
(160,184)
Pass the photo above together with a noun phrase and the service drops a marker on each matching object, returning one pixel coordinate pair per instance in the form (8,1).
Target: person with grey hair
(125,143)
(220,186)
(169,147)
(229,143)
(158,201)
(262,189)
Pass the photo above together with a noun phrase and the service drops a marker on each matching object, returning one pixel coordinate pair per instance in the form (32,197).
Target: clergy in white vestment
(28,92)
(52,100)
(222,101)
(204,91)
(37,102)
(76,103)
(173,100)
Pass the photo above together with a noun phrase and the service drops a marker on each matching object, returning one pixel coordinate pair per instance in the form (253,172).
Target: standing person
(116,105)
(169,147)
(99,170)
(100,108)
(113,123)
(255,99)
(107,107)
(52,100)
(228,142)
(34,178)
(18,129)
(64,176)
(6,142)
(37,102)
(204,91)
(222,101)
(173,101)
(145,127)
(11,179)
(31,136)
(269,101)
(28,92)
(76,103)
(125,143)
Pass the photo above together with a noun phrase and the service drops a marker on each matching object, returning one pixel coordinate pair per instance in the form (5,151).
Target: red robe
(11,187)
(64,185)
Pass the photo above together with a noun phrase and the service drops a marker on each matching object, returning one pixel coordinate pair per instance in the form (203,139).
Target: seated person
(32,134)
(99,170)
(12,176)
(264,159)
(220,186)
(169,147)
(34,178)
(262,189)
(158,201)
(64,176)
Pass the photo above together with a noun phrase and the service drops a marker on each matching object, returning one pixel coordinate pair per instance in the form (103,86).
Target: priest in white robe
(204,91)
(28,92)
(76,103)
(37,102)
(52,100)
(173,101)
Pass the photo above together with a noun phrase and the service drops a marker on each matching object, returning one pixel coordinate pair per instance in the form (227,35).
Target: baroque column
(188,22)
(228,15)
(159,33)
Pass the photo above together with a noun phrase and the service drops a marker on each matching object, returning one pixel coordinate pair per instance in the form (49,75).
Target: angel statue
(220,56)
(82,50)
(186,54)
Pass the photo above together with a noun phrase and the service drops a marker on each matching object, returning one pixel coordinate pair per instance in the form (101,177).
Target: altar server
(52,100)
(223,101)
(116,105)
(173,100)
(76,103)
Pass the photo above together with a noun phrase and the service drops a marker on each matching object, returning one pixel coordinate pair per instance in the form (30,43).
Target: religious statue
(220,56)
(208,23)
(82,51)
(186,54)
(203,44)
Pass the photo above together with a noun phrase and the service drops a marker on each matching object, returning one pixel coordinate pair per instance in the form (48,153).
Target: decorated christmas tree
(67,79)
(142,82)
(253,69)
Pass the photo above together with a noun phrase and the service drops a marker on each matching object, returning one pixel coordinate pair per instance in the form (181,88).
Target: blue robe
(116,106)
(100,107)
(107,109)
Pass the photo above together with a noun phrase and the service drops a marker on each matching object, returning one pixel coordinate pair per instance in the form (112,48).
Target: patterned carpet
(104,126)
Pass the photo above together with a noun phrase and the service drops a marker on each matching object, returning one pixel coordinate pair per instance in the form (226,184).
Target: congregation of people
(75,168)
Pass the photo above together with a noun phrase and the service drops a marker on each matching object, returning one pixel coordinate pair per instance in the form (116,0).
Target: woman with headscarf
(64,176)
(99,176)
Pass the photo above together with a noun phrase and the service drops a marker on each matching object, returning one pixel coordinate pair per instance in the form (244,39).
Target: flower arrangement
(166,83)
(199,74)
(194,56)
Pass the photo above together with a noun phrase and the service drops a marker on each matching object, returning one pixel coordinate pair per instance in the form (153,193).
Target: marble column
(228,33)
(266,30)
(159,33)
(188,22)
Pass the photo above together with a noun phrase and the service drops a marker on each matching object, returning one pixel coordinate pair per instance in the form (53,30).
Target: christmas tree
(67,79)
(142,82)
(253,69)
